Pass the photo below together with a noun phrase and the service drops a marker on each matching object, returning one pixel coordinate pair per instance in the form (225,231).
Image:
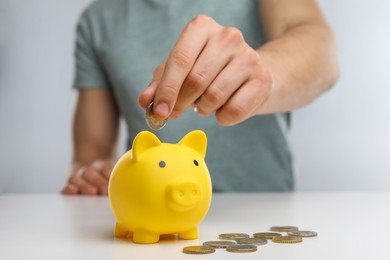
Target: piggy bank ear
(142,142)
(196,140)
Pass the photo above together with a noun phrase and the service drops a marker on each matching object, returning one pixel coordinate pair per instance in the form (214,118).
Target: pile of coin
(243,243)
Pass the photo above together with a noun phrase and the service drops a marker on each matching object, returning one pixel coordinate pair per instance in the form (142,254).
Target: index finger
(179,63)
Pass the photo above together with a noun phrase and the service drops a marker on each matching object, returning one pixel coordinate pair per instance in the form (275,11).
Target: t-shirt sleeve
(89,72)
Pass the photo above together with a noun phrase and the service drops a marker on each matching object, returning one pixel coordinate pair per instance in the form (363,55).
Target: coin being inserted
(152,121)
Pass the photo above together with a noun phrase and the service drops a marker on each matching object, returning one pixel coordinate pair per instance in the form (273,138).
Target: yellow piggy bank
(160,188)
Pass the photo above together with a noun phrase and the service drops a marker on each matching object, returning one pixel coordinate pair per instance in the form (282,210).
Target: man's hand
(89,179)
(212,68)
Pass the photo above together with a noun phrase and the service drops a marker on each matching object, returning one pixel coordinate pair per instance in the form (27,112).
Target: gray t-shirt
(120,42)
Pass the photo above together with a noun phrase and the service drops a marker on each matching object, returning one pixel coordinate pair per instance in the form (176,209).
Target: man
(247,62)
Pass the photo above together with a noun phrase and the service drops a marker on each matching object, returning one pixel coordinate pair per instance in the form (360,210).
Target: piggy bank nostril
(184,195)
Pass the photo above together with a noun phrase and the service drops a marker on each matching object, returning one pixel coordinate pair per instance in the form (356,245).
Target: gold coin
(266,235)
(152,121)
(252,241)
(241,248)
(302,233)
(219,244)
(287,239)
(284,228)
(233,236)
(198,250)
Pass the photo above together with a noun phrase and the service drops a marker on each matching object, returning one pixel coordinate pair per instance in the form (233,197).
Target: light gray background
(341,141)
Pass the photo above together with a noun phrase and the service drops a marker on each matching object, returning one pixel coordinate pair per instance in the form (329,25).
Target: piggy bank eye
(196,163)
(161,164)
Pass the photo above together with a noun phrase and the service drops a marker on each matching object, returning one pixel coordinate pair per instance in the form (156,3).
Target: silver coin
(252,241)
(241,248)
(266,235)
(302,233)
(219,244)
(152,121)
(284,228)
(233,236)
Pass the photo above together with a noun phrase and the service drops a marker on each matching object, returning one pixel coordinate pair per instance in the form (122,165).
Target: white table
(349,226)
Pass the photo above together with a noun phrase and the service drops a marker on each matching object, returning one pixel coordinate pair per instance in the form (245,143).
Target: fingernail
(198,112)
(71,187)
(162,110)
(174,115)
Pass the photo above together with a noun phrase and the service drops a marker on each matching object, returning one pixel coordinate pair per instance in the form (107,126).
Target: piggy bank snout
(184,195)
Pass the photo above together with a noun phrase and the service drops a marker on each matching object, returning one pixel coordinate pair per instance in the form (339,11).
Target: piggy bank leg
(121,232)
(145,237)
(189,234)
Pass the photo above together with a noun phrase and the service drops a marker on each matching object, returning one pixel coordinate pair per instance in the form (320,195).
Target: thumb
(146,96)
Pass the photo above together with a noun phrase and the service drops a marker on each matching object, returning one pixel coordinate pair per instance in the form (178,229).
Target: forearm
(95,128)
(89,148)
(95,134)
(303,65)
